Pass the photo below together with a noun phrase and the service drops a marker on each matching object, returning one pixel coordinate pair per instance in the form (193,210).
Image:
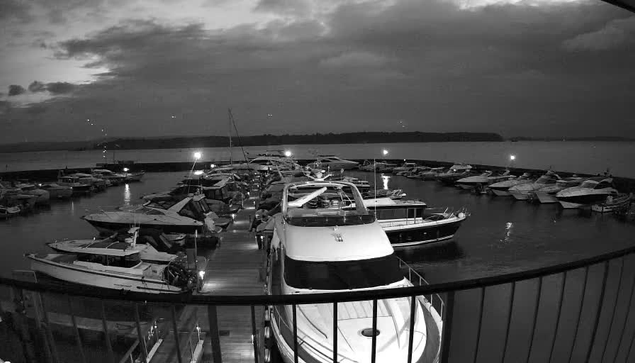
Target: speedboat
(189,215)
(501,188)
(134,176)
(591,191)
(57,191)
(547,194)
(8,212)
(268,163)
(98,184)
(43,197)
(526,191)
(105,174)
(430,173)
(472,182)
(320,246)
(149,241)
(410,223)
(404,168)
(116,266)
(454,173)
(378,166)
(332,162)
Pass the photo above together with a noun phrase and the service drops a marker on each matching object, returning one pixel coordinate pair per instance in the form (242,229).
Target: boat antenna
(233,122)
(229,133)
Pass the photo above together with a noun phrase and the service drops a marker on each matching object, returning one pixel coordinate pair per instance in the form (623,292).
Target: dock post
(214,335)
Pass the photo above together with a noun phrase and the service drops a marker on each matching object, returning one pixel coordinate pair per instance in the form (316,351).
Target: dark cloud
(15,90)
(15,9)
(503,68)
(288,7)
(58,88)
(615,34)
(37,86)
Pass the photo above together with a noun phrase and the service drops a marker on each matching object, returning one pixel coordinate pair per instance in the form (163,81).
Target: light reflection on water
(126,195)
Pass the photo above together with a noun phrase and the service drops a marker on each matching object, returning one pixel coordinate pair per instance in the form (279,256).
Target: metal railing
(577,311)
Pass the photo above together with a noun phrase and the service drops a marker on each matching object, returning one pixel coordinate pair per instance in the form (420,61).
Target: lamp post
(511,160)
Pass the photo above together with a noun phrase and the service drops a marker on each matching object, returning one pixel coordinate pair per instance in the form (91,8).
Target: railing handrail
(247,300)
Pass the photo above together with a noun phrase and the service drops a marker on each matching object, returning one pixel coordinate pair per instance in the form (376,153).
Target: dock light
(512,157)
(197,155)
(201,274)
(287,153)
(385,152)
(212,166)
(125,170)
(198,172)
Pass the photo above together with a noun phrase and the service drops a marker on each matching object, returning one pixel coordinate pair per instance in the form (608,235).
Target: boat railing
(446,212)
(417,280)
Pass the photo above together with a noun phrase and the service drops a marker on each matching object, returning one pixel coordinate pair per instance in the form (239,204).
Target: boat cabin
(114,255)
(597,183)
(192,207)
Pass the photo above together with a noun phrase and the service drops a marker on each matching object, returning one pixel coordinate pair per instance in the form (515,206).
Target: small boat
(592,191)
(98,184)
(409,222)
(109,175)
(135,176)
(472,182)
(116,266)
(333,163)
(378,166)
(613,204)
(189,215)
(404,168)
(454,173)
(501,188)
(9,212)
(526,191)
(547,194)
(43,197)
(320,247)
(430,173)
(57,191)
(79,187)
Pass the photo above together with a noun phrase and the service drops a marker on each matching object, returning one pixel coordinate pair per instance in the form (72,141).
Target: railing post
(111,355)
(213,332)
(446,334)
(599,311)
(512,295)
(78,338)
(295,333)
(413,305)
(577,322)
(335,332)
(617,299)
(373,353)
(533,324)
(559,311)
(142,342)
(480,322)
(177,341)
(254,336)
(628,314)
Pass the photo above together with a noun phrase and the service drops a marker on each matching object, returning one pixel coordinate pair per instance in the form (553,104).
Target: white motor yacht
(57,191)
(501,188)
(404,168)
(430,173)
(471,182)
(333,163)
(78,186)
(116,266)
(526,191)
(591,191)
(320,246)
(105,174)
(188,215)
(547,194)
(43,197)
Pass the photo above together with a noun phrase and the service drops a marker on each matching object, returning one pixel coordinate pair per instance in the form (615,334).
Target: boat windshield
(545,179)
(325,205)
(342,275)
(589,184)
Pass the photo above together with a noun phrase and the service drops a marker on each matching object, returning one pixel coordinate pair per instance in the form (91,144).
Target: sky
(75,70)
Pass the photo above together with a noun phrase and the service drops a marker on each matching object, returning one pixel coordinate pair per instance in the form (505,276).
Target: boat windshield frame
(342,275)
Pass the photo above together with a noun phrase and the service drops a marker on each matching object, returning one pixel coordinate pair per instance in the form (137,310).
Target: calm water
(501,235)
(580,157)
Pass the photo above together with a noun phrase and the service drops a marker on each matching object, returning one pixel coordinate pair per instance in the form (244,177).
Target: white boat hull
(546,198)
(519,195)
(500,193)
(103,279)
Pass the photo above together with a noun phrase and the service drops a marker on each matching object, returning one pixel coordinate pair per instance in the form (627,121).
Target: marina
(498,235)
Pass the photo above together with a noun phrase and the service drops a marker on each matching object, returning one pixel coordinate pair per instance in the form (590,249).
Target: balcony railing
(580,311)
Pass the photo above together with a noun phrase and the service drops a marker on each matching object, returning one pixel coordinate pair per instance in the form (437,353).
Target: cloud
(286,7)
(15,9)
(15,90)
(355,59)
(57,88)
(37,86)
(616,33)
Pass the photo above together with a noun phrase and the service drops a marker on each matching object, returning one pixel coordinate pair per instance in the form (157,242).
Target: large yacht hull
(546,198)
(408,235)
(108,280)
(581,200)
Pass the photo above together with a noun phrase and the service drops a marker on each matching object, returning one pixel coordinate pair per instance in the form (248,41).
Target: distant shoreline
(183,142)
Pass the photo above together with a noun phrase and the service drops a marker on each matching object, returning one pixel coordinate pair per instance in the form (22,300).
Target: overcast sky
(72,68)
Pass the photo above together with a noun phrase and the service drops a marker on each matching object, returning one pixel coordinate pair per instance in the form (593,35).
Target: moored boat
(319,246)
(525,191)
(592,191)
(547,194)
(613,204)
(57,191)
(501,188)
